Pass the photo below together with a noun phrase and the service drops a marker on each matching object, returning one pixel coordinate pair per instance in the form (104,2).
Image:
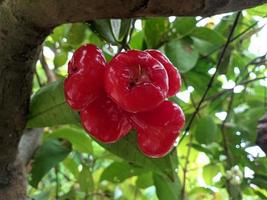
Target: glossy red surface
(173,74)
(86,77)
(158,129)
(136,81)
(85,57)
(105,121)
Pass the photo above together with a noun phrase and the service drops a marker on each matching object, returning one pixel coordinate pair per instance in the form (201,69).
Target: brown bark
(16,187)
(29,143)
(19,41)
(50,75)
(50,12)
(24,24)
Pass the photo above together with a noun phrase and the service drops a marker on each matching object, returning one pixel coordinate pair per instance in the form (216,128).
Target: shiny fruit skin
(86,77)
(173,74)
(157,130)
(81,89)
(136,81)
(105,121)
(85,57)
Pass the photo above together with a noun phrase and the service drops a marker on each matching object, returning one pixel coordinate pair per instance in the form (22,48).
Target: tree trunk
(24,25)
(19,41)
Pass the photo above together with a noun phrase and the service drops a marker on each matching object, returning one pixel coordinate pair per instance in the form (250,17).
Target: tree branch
(50,13)
(19,41)
(29,142)
(50,75)
(221,6)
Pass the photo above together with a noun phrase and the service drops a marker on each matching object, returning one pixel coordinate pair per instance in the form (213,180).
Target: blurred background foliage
(217,158)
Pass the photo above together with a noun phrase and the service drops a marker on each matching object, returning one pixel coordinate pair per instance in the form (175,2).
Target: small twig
(38,79)
(252,80)
(64,175)
(224,91)
(191,97)
(224,136)
(124,44)
(202,100)
(131,30)
(256,61)
(262,61)
(232,40)
(51,77)
(245,82)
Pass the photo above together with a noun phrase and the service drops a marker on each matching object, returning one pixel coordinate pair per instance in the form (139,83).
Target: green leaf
(47,156)
(127,149)
(86,180)
(113,30)
(76,34)
(120,28)
(206,130)
(226,60)
(155,31)
(183,149)
(60,59)
(144,180)
(181,54)
(117,172)
(261,194)
(103,29)
(137,40)
(166,188)
(259,180)
(164,167)
(204,47)
(208,35)
(77,137)
(200,191)
(59,32)
(198,77)
(224,25)
(203,149)
(94,39)
(260,10)
(184,25)
(72,165)
(209,172)
(72,194)
(248,121)
(45,194)
(48,107)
